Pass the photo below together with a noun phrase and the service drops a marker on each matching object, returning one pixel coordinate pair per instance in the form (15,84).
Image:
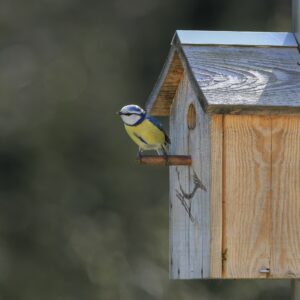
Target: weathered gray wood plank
(233,80)
(237,79)
(296,19)
(189,190)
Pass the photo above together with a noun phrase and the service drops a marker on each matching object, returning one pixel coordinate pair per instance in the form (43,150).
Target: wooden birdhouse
(233,100)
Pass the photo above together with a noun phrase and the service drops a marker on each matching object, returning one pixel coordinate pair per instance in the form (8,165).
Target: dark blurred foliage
(79,219)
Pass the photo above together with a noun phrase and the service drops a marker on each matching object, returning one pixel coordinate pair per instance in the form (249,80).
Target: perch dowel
(170,160)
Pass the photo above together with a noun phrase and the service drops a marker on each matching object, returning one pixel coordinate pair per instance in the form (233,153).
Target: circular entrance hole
(191,117)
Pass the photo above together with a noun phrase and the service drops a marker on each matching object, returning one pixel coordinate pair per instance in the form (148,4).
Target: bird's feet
(139,155)
(162,152)
(166,157)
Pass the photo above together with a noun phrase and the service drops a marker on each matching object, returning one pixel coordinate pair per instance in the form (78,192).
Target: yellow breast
(146,135)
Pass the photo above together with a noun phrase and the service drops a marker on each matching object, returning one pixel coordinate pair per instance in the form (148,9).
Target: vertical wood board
(285,256)
(189,190)
(246,196)
(216,195)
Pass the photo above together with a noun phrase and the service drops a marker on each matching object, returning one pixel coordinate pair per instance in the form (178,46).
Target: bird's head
(132,114)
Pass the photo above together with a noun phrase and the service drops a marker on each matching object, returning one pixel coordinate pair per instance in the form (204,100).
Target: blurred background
(79,219)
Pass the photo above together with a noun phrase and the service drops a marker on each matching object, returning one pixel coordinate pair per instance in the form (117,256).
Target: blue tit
(144,130)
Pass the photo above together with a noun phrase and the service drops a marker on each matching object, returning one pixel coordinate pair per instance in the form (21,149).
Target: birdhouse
(233,101)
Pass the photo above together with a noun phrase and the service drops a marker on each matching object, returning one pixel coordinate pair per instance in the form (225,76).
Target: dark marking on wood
(186,204)
(224,258)
(186,198)
(197,185)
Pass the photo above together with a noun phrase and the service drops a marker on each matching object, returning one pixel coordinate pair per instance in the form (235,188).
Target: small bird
(144,130)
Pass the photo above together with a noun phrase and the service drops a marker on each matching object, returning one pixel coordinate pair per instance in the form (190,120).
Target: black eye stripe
(130,114)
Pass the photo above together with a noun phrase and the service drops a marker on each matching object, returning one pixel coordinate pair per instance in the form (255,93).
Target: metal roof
(236,38)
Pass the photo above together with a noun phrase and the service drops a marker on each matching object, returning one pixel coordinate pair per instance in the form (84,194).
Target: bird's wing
(158,125)
(140,138)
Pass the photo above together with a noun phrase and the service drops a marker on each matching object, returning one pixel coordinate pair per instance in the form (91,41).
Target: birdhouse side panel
(190,229)
(261,197)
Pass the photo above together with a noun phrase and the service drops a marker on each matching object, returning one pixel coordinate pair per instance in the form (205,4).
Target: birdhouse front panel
(235,212)
(261,196)
(189,187)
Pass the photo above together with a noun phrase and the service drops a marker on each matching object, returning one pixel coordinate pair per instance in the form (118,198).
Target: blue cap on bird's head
(131,109)
(132,114)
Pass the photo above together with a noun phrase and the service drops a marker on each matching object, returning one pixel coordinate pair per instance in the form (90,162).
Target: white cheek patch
(130,120)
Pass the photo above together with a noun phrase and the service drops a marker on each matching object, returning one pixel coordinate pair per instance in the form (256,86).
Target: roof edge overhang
(160,100)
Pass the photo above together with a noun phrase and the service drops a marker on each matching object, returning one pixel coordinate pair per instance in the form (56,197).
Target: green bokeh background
(79,219)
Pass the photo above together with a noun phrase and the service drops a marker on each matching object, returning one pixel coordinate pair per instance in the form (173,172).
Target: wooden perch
(170,160)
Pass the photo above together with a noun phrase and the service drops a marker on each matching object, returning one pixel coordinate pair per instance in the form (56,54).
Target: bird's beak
(118,113)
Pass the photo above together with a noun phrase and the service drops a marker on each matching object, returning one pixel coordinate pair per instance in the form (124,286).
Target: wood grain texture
(163,93)
(296,19)
(295,289)
(236,79)
(232,80)
(235,212)
(189,190)
(216,195)
(246,196)
(285,256)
